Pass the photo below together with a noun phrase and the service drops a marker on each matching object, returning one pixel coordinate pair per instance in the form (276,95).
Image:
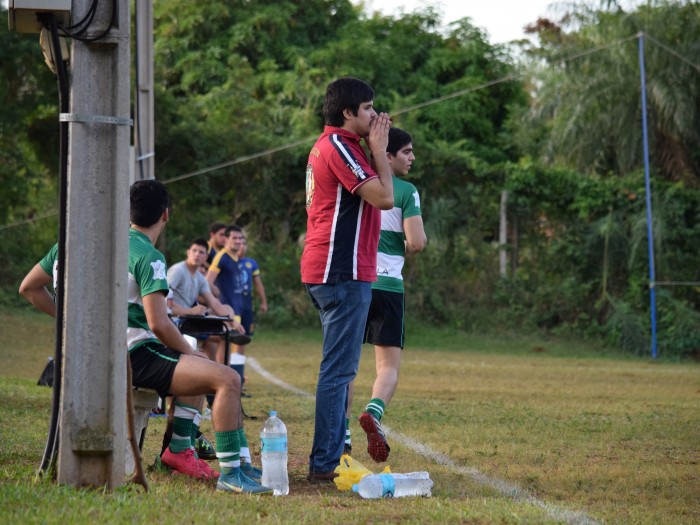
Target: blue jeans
(343,310)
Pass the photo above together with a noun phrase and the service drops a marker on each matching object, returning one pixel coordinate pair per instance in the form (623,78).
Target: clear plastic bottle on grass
(394,485)
(274,455)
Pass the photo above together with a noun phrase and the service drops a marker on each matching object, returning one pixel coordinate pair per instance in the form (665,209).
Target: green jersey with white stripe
(147,275)
(390,256)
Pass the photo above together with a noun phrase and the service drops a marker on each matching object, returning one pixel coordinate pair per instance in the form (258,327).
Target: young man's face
(233,241)
(218,239)
(196,255)
(403,160)
(242,247)
(359,124)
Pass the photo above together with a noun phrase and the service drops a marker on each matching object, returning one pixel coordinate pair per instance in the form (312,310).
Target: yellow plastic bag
(351,471)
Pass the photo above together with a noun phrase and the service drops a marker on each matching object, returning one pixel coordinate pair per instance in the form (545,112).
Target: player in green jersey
(162,359)
(402,234)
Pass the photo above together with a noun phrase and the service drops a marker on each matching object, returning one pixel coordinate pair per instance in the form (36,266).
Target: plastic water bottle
(394,485)
(274,455)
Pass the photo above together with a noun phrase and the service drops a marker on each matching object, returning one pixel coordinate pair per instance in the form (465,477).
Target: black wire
(87,19)
(77,34)
(104,33)
(92,9)
(51,450)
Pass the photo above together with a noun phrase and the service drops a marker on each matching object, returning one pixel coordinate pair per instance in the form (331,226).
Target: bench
(144,401)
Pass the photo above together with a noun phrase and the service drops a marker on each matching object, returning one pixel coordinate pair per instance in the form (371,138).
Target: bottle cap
(355,487)
(273,413)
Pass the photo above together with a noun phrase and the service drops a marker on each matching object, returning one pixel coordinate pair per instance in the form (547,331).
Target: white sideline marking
(503,487)
(253,363)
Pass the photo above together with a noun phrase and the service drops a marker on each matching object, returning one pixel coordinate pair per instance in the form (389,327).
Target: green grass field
(511,429)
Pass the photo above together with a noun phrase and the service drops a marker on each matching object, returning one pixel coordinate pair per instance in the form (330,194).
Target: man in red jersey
(344,196)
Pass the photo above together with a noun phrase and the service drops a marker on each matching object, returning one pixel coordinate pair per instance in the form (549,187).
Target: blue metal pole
(647,184)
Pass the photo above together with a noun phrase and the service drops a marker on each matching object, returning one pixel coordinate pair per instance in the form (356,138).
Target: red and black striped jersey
(342,229)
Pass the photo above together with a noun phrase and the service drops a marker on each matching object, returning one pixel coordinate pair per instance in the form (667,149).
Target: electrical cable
(240,160)
(86,23)
(675,283)
(507,78)
(107,29)
(86,20)
(77,35)
(680,57)
(28,221)
(51,451)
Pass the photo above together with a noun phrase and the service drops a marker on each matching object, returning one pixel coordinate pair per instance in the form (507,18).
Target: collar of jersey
(342,131)
(231,254)
(139,234)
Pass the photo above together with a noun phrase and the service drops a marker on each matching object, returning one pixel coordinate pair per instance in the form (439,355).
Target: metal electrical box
(22,14)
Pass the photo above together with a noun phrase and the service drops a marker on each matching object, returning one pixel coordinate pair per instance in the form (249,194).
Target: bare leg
(211,347)
(388,360)
(221,351)
(193,401)
(194,375)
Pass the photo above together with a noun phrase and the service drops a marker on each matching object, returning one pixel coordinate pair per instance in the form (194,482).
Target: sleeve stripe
(214,266)
(348,157)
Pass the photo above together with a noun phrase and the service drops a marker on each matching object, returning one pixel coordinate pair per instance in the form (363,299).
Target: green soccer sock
(376,408)
(182,428)
(228,450)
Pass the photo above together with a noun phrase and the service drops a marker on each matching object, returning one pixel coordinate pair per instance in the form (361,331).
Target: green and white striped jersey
(390,256)
(147,275)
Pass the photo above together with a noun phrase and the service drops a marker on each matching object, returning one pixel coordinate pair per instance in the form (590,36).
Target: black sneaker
(204,448)
(347,448)
(239,339)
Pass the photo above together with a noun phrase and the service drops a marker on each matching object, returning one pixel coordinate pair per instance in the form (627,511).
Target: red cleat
(184,462)
(377,446)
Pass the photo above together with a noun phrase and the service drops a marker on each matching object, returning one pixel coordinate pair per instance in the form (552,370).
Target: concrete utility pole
(144,140)
(93,404)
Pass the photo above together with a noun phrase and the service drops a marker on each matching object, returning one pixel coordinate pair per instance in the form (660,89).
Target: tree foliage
(586,115)
(583,91)
(29,152)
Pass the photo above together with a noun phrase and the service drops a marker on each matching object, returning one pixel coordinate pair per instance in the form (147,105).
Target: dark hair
(148,200)
(216,227)
(200,242)
(233,228)
(398,138)
(345,93)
